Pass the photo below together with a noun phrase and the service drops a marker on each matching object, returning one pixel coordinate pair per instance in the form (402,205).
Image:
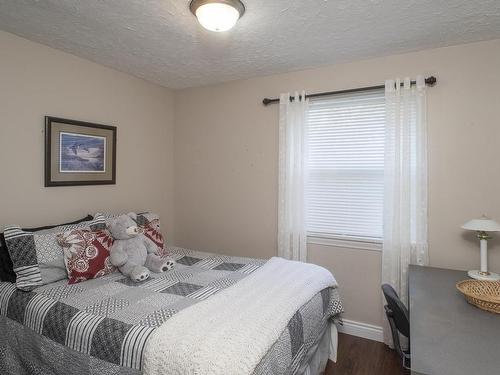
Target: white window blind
(345,189)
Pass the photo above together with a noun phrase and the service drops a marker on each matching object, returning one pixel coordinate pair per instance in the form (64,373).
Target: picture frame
(79,153)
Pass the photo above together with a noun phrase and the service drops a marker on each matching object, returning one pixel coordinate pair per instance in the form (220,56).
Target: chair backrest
(398,309)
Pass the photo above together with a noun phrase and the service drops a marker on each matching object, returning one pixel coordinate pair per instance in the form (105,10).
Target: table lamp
(482,226)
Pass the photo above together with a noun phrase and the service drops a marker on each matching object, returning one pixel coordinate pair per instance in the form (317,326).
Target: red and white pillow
(86,254)
(150,226)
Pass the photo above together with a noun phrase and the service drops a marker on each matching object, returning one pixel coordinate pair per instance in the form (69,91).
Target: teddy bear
(132,252)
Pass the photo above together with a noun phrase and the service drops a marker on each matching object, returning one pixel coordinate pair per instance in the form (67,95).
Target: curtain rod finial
(431,81)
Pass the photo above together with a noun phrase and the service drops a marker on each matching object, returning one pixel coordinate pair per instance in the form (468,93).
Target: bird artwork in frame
(79,153)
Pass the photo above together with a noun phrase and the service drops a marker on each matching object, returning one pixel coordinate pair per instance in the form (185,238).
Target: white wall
(35,81)
(226,156)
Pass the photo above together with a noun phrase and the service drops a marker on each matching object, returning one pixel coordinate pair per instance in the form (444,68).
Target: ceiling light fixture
(217,15)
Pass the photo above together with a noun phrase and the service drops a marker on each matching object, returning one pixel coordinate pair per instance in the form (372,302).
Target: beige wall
(226,152)
(36,81)
(226,162)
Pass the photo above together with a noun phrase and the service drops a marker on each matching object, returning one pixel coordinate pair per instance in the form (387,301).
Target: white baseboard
(367,331)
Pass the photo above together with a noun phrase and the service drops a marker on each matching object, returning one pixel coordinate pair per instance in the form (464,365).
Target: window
(345,190)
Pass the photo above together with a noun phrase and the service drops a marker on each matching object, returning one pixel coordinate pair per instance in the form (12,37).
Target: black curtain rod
(429,81)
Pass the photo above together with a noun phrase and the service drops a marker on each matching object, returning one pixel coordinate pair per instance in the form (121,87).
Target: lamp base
(486,276)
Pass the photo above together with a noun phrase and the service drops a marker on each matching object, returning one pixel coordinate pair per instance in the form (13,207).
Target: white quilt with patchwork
(230,332)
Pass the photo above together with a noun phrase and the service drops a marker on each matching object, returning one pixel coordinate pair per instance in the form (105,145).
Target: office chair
(399,321)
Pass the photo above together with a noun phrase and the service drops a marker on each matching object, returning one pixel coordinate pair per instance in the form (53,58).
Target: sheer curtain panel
(405,185)
(292,231)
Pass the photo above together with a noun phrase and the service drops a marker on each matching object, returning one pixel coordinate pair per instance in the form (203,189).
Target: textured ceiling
(161,41)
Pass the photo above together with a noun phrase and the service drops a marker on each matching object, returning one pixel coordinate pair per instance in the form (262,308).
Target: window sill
(346,242)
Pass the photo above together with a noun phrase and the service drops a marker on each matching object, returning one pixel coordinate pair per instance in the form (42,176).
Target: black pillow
(6,267)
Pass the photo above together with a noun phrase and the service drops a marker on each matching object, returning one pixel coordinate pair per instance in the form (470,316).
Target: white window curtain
(405,175)
(292,231)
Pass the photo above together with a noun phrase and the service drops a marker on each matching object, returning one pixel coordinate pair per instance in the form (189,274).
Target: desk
(448,335)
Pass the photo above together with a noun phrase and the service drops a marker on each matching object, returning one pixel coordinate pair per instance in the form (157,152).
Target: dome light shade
(217,15)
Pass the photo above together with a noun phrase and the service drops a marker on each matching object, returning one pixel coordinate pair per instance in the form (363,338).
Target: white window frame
(351,242)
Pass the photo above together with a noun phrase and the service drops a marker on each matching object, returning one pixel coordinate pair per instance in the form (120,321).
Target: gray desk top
(449,336)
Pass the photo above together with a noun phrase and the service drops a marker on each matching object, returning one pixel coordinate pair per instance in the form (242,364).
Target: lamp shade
(484,224)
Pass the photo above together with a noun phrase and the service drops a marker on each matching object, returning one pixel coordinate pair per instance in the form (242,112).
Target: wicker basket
(483,294)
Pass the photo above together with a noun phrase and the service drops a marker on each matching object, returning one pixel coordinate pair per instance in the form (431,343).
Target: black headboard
(6,267)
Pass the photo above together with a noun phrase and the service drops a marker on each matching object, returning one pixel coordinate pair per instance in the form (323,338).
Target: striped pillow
(36,255)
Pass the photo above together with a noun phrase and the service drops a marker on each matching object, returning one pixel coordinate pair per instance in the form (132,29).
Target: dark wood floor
(357,356)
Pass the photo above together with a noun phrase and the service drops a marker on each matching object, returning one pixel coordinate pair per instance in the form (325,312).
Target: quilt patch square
(296,332)
(93,295)
(325,298)
(62,291)
(160,301)
(226,266)
(135,295)
(57,321)
(156,285)
(80,331)
(204,292)
(188,261)
(17,307)
(206,277)
(107,340)
(335,307)
(209,263)
(36,311)
(133,346)
(157,318)
(249,268)
(182,289)
(223,282)
(107,306)
(6,291)
(129,282)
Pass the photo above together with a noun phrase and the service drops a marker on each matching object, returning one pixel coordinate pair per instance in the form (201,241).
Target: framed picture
(79,153)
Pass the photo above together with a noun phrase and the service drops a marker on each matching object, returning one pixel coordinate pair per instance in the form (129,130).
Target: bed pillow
(6,268)
(149,223)
(37,257)
(86,253)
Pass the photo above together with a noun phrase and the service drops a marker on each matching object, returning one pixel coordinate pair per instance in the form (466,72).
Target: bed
(111,325)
